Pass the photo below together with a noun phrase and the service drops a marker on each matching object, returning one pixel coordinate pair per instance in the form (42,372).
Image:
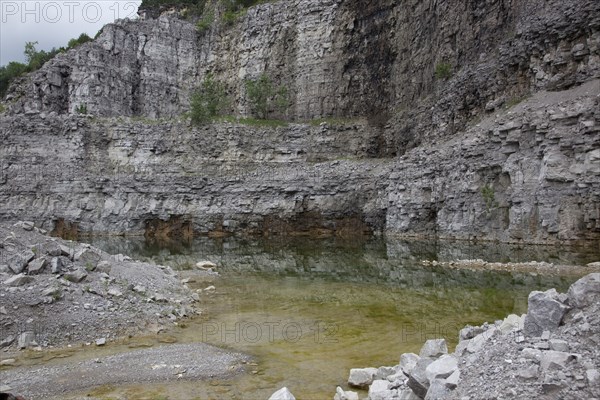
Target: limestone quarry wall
(531,174)
(506,147)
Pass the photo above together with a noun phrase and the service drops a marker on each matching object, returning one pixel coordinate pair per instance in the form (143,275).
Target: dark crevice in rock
(174,227)
(65,229)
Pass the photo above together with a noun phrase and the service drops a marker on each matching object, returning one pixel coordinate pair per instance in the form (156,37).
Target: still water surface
(309,310)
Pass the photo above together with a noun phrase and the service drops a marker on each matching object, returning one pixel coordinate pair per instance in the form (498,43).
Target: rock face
(337,58)
(416,162)
(218,179)
(497,181)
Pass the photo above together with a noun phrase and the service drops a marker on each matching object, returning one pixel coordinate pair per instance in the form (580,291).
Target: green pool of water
(309,310)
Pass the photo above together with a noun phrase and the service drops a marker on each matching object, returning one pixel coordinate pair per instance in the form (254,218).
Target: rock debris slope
(57,292)
(551,352)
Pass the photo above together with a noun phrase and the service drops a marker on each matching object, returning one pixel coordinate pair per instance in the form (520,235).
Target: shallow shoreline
(531,267)
(161,364)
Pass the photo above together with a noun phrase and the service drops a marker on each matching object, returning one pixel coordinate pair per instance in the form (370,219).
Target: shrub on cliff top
(83,38)
(8,73)
(148,4)
(35,59)
(205,22)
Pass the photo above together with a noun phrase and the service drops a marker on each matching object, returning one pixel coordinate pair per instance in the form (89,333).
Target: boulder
(87,256)
(434,348)
(593,377)
(417,380)
(282,394)
(7,341)
(341,394)
(55,265)
(441,368)
(437,390)
(407,362)
(512,322)
(559,345)
(407,394)
(18,262)
(556,360)
(67,251)
(585,291)
(115,292)
(100,342)
(26,340)
(76,276)
(545,312)
(361,377)
(37,266)
(530,372)
(103,266)
(453,380)
(379,390)
(384,372)
(25,225)
(205,265)
(19,280)
(478,342)
(469,332)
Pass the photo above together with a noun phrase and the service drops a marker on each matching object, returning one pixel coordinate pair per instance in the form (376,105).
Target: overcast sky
(53,22)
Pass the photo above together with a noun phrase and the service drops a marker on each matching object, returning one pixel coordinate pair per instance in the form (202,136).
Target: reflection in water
(389,262)
(309,310)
